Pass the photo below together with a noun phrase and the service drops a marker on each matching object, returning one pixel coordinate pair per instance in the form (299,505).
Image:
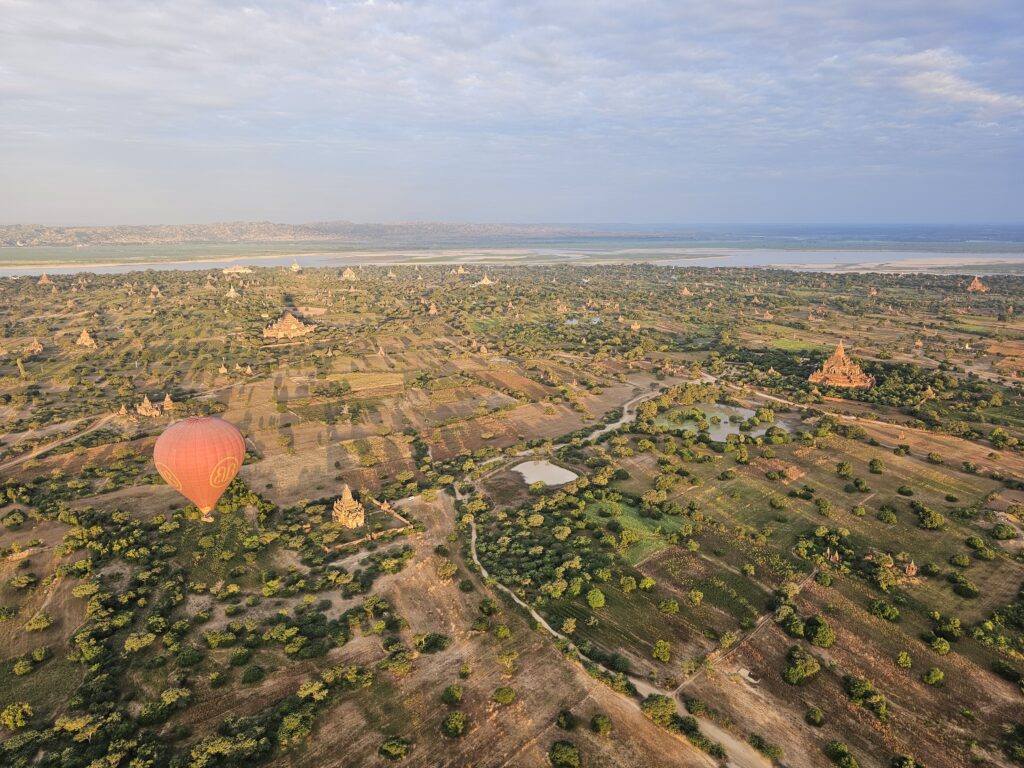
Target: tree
(16,715)
(454,724)
(662,651)
(815,717)
(394,748)
(903,660)
(818,632)
(452,695)
(504,695)
(934,676)
(601,724)
(565,754)
(595,598)
(39,622)
(569,626)
(802,666)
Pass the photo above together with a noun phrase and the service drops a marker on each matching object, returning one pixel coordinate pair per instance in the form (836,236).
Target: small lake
(725,420)
(544,472)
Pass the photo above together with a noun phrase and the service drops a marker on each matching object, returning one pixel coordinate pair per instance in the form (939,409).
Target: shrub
(394,748)
(504,695)
(452,695)
(802,666)
(252,674)
(601,724)
(564,754)
(934,676)
(815,717)
(819,632)
(454,724)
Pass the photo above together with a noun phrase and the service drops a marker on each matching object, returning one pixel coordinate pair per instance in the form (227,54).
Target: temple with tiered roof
(840,371)
(287,327)
(347,511)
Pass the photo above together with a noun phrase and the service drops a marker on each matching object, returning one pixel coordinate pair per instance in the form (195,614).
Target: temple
(147,409)
(977,286)
(85,340)
(840,371)
(348,274)
(287,327)
(347,511)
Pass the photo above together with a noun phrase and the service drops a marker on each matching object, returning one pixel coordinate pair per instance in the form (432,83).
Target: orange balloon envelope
(198,457)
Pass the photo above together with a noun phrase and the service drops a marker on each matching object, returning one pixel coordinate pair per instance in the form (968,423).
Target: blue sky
(671,111)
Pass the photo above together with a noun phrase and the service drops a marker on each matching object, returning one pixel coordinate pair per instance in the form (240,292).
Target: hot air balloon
(199,457)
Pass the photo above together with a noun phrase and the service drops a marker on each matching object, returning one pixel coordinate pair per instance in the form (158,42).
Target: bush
(564,754)
(566,720)
(504,695)
(454,725)
(452,695)
(394,748)
(39,622)
(802,666)
(819,632)
(252,674)
(601,724)
(934,676)
(815,717)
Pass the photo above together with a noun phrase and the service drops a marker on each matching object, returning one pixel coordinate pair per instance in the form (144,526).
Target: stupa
(840,371)
(296,267)
(485,280)
(45,280)
(347,511)
(85,340)
(146,408)
(231,294)
(433,309)
(169,404)
(348,274)
(287,327)
(977,286)
(35,347)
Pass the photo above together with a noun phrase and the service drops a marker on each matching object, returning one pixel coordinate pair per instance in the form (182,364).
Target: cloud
(703,91)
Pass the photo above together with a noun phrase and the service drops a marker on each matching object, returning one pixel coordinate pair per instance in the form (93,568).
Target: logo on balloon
(223,472)
(167,474)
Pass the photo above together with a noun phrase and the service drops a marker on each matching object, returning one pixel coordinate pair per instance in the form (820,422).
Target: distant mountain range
(267,232)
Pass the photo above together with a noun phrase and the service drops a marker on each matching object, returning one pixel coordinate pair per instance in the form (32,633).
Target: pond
(545,472)
(725,420)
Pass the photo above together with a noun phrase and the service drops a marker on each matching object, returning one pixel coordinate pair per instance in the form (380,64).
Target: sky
(639,111)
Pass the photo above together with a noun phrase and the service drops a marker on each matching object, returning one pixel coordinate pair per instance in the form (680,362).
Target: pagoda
(433,309)
(34,348)
(169,404)
(347,511)
(296,267)
(485,280)
(348,274)
(232,293)
(45,280)
(85,340)
(287,327)
(146,408)
(977,286)
(840,371)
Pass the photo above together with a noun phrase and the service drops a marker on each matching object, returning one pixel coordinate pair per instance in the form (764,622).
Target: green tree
(662,651)
(595,598)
